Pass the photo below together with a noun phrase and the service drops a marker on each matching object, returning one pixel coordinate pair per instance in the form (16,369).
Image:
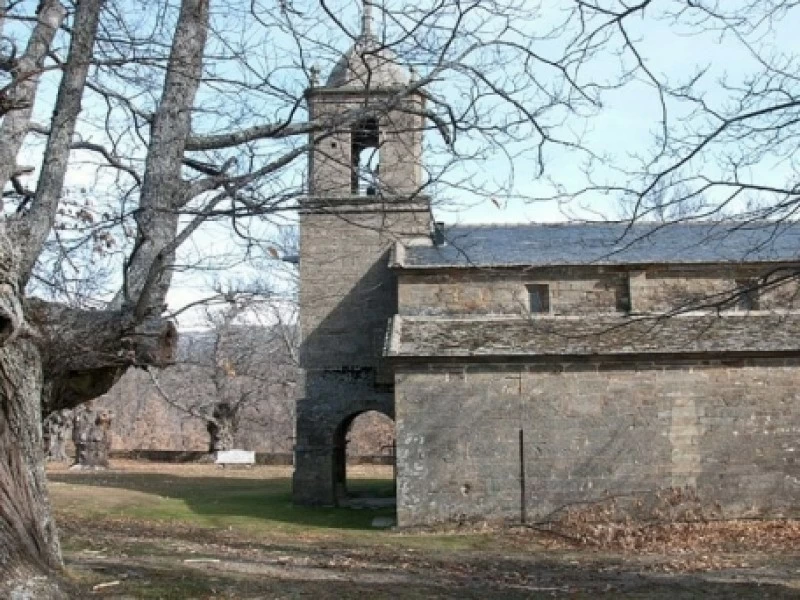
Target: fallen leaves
(689,546)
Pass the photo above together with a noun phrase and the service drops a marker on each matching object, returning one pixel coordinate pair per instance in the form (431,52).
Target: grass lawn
(249,500)
(194,531)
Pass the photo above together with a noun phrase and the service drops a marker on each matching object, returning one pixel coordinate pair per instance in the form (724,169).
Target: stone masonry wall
(347,293)
(331,402)
(572,291)
(664,288)
(731,431)
(581,290)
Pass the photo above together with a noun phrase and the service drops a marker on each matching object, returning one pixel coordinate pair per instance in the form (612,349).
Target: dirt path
(178,531)
(178,562)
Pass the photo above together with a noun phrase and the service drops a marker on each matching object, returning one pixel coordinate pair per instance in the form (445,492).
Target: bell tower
(364,192)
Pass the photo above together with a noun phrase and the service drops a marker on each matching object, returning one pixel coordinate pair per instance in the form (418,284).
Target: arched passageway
(364,461)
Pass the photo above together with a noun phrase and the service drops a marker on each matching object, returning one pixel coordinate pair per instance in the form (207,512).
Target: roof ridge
(760,222)
(610,243)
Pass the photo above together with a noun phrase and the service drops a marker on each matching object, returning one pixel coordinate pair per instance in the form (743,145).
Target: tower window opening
(365,153)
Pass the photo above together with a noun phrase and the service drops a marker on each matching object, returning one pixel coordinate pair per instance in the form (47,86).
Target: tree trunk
(164,192)
(64,353)
(90,432)
(33,228)
(62,357)
(55,429)
(222,428)
(30,557)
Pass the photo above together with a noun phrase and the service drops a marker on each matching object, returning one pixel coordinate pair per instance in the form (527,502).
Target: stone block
(235,457)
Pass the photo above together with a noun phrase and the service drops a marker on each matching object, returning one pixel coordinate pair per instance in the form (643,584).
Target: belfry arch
(365,157)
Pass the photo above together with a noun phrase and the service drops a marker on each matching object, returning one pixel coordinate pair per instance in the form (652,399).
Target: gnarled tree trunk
(37,370)
(30,558)
(63,357)
(55,429)
(59,358)
(221,428)
(92,437)
(29,550)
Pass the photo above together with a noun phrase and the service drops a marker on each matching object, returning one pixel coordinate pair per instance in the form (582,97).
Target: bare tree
(55,429)
(243,366)
(186,123)
(91,436)
(723,121)
(663,204)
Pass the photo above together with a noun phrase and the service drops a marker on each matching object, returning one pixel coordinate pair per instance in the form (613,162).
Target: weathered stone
(347,291)
(540,337)
(640,430)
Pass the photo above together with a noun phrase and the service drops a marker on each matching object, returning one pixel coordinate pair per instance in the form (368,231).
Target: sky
(622,130)
(625,126)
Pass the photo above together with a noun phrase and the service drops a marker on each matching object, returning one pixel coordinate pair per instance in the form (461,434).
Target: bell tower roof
(368,63)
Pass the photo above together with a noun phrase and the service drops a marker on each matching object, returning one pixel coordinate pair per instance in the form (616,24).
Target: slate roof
(464,338)
(606,244)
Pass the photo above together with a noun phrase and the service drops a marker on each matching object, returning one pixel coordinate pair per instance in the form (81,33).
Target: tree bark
(84,352)
(92,437)
(30,556)
(55,428)
(29,550)
(63,357)
(3,4)
(222,428)
(164,192)
(33,228)
(59,358)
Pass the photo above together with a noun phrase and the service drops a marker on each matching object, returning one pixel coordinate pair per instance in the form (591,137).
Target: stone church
(532,368)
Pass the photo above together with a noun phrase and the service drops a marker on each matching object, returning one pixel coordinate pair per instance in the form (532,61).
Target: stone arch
(340,449)
(332,401)
(365,156)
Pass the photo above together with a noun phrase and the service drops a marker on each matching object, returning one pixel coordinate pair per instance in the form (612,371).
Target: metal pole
(523,509)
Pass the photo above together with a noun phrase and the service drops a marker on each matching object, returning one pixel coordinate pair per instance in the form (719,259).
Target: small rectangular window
(622,295)
(747,294)
(539,298)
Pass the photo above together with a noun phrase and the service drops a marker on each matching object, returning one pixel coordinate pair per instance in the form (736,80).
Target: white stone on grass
(236,457)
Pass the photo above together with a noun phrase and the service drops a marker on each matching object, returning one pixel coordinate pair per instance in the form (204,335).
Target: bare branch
(32,230)
(16,100)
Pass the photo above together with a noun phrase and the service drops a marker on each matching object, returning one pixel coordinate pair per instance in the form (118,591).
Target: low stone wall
(262,458)
(728,431)
(165,456)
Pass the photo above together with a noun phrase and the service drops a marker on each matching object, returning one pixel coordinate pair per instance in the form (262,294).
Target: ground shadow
(254,498)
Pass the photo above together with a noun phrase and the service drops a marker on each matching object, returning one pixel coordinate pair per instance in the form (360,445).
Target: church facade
(532,369)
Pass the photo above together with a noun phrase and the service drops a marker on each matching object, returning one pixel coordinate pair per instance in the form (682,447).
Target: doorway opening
(364,460)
